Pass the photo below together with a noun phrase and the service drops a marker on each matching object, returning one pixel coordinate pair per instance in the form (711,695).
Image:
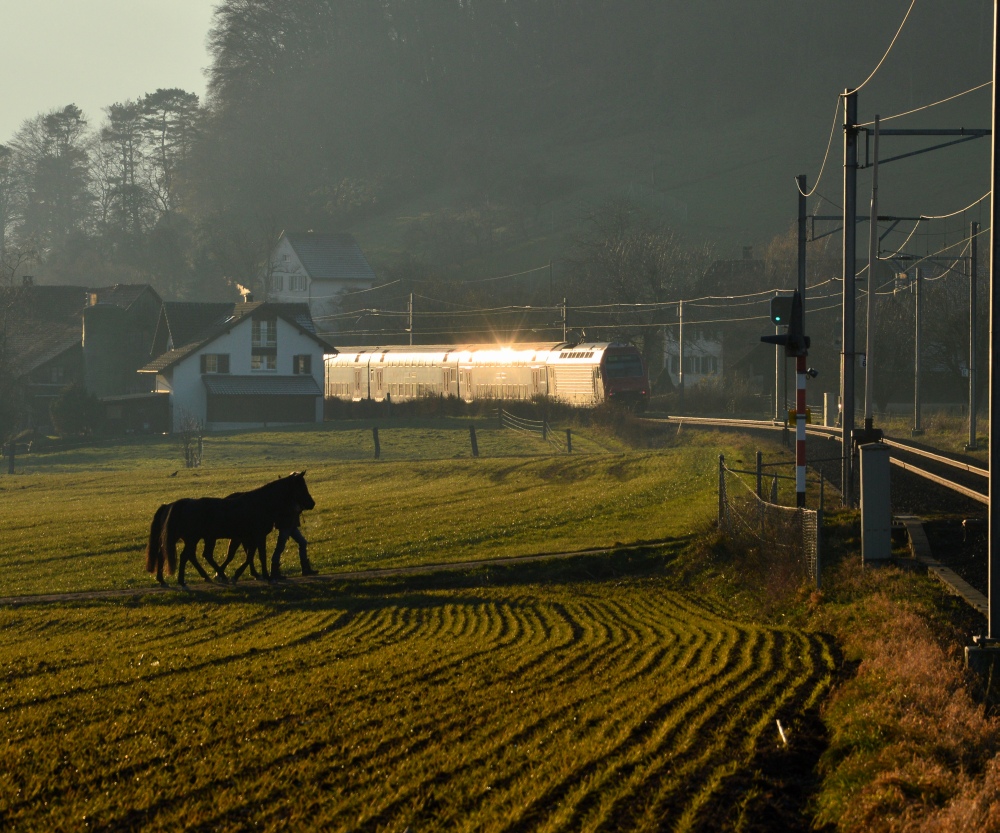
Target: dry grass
(910,746)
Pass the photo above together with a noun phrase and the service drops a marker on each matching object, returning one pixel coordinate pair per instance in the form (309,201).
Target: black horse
(247,517)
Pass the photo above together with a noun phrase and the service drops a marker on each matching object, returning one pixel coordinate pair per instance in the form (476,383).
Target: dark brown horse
(246,517)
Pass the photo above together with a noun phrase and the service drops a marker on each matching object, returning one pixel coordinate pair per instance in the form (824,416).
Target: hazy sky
(93,53)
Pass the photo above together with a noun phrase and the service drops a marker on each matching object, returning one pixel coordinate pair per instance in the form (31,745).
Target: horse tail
(154,551)
(168,539)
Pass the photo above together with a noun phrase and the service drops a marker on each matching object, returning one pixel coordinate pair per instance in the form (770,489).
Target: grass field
(589,693)
(79,519)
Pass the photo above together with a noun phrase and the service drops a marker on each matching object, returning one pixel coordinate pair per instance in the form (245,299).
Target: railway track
(941,497)
(953,472)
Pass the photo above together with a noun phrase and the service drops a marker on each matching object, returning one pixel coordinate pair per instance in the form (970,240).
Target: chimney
(248,298)
(28,280)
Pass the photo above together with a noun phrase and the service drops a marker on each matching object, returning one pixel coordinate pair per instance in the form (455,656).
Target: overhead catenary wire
(892,43)
(928,106)
(836,112)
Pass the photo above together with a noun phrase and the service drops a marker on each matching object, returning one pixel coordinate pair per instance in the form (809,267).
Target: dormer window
(265,332)
(264,345)
(297,283)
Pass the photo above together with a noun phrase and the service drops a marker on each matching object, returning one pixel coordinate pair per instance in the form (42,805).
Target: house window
(265,332)
(57,375)
(302,364)
(277,283)
(263,362)
(215,363)
(297,283)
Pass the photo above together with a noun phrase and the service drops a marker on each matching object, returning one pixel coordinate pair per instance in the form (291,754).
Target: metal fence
(778,534)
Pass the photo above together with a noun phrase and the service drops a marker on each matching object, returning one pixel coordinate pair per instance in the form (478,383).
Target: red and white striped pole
(800,431)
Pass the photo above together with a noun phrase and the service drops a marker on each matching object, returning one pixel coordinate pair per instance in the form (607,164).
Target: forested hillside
(624,142)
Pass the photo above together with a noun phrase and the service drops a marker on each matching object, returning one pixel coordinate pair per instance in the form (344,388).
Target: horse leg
(234,545)
(262,552)
(189,554)
(209,553)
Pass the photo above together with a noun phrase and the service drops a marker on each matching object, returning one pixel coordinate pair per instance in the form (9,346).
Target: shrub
(75,413)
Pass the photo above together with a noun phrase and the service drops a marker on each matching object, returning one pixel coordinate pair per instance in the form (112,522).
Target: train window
(623,366)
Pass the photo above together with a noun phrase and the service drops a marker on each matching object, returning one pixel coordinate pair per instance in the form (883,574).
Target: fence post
(472,437)
(760,465)
(774,490)
(378,448)
(10,456)
(545,430)
(722,490)
(569,441)
(500,416)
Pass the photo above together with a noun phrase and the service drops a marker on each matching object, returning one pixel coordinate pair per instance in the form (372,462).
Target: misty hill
(467,139)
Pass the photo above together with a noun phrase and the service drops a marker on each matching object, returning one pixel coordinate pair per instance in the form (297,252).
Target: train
(578,374)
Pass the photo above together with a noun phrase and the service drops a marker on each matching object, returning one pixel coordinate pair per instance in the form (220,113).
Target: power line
(928,106)
(887,51)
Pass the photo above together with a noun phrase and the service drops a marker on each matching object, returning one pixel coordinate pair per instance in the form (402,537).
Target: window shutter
(223,363)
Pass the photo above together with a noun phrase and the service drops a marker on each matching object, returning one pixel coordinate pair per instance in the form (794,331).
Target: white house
(254,364)
(317,269)
(702,354)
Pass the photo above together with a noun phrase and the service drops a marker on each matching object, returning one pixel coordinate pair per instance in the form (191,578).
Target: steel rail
(930,455)
(824,431)
(942,481)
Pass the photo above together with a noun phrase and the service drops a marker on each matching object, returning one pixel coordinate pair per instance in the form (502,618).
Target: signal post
(787,310)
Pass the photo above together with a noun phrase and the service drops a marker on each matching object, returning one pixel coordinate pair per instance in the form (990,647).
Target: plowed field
(590,705)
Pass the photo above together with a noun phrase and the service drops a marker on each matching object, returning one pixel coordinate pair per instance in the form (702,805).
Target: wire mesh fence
(782,537)
(536,427)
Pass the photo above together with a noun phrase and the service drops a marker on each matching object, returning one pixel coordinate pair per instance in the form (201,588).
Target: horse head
(298,491)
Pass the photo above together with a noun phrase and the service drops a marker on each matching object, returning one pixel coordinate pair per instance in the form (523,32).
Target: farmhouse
(317,269)
(58,336)
(239,365)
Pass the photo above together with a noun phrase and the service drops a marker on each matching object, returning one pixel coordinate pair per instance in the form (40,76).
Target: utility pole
(410,311)
(564,319)
(847,357)
(994,453)
(870,307)
(971,445)
(918,309)
(680,350)
(779,361)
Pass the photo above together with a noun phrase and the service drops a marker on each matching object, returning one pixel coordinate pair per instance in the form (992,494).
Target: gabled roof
(330,257)
(44,322)
(123,295)
(187,320)
(221,318)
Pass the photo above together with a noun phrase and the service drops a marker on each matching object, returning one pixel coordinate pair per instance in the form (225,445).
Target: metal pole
(680,350)
(973,332)
(801,180)
(779,354)
(800,431)
(849,270)
(564,319)
(872,260)
(917,316)
(994,394)
(411,319)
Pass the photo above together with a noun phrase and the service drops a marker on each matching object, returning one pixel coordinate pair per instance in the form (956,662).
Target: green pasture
(78,519)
